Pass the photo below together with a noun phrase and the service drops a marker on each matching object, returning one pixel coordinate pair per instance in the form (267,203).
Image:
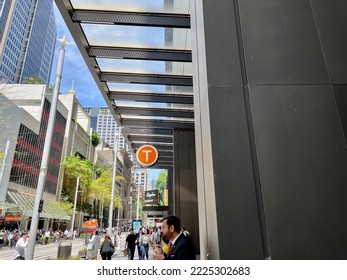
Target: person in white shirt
(47,235)
(95,241)
(21,246)
(144,240)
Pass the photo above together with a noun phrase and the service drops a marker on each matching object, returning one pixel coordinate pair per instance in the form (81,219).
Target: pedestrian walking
(107,248)
(21,246)
(2,238)
(144,241)
(130,244)
(93,246)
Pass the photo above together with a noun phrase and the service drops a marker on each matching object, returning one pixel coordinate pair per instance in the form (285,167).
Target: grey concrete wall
(10,117)
(270,87)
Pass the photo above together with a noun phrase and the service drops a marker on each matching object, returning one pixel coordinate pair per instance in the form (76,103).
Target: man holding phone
(21,246)
(180,247)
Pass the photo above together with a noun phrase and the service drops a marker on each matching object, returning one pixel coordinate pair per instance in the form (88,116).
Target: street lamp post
(118,214)
(45,153)
(74,207)
(114,175)
(101,216)
(138,201)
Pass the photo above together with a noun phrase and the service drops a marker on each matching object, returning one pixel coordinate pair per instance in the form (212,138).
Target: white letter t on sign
(147,152)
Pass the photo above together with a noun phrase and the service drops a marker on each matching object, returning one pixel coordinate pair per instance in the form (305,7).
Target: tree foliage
(76,167)
(95,139)
(101,188)
(160,184)
(34,80)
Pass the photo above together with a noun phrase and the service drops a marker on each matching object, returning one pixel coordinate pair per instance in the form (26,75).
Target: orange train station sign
(147,155)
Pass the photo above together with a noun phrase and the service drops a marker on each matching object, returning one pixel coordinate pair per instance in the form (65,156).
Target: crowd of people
(170,241)
(9,237)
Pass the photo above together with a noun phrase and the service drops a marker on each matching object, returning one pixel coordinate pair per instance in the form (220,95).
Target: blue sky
(76,70)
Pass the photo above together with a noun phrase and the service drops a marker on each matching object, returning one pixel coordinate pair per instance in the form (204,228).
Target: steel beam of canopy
(165,153)
(141,53)
(155,79)
(158,146)
(147,131)
(132,18)
(161,158)
(152,97)
(165,161)
(157,123)
(145,138)
(163,165)
(158,112)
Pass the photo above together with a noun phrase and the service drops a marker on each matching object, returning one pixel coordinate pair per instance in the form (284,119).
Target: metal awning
(139,54)
(7,205)
(51,209)
(156,211)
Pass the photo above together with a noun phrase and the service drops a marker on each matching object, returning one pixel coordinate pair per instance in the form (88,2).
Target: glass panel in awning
(137,117)
(149,105)
(154,6)
(144,66)
(148,88)
(137,37)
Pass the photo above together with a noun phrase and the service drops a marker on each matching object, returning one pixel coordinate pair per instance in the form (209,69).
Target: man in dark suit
(180,248)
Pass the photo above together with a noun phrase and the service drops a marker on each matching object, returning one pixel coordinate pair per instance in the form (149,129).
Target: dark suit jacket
(183,249)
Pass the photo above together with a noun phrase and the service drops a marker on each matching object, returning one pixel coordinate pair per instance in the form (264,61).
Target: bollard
(64,250)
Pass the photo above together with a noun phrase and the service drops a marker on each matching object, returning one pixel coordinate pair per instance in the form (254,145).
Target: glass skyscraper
(28,41)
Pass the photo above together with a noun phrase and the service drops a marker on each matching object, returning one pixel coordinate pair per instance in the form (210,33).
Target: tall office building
(102,121)
(27,39)
(141,177)
(4,12)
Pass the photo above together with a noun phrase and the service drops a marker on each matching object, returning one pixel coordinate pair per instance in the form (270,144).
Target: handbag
(125,252)
(90,247)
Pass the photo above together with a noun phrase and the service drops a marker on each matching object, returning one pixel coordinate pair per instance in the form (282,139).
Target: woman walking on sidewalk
(107,248)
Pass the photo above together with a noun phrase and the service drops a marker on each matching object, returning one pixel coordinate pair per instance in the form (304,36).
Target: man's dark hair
(173,221)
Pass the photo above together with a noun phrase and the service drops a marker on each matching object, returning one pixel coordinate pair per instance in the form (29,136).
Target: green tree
(34,80)
(160,184)
(95,139)
(98,169)
(101,188)
(76,167)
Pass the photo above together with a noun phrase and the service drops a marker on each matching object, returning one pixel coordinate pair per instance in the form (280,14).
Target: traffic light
(40,205)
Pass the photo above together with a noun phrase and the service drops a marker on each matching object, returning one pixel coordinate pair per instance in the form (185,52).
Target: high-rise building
(4,12)
(141,177)
(27,39)
(102,121)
